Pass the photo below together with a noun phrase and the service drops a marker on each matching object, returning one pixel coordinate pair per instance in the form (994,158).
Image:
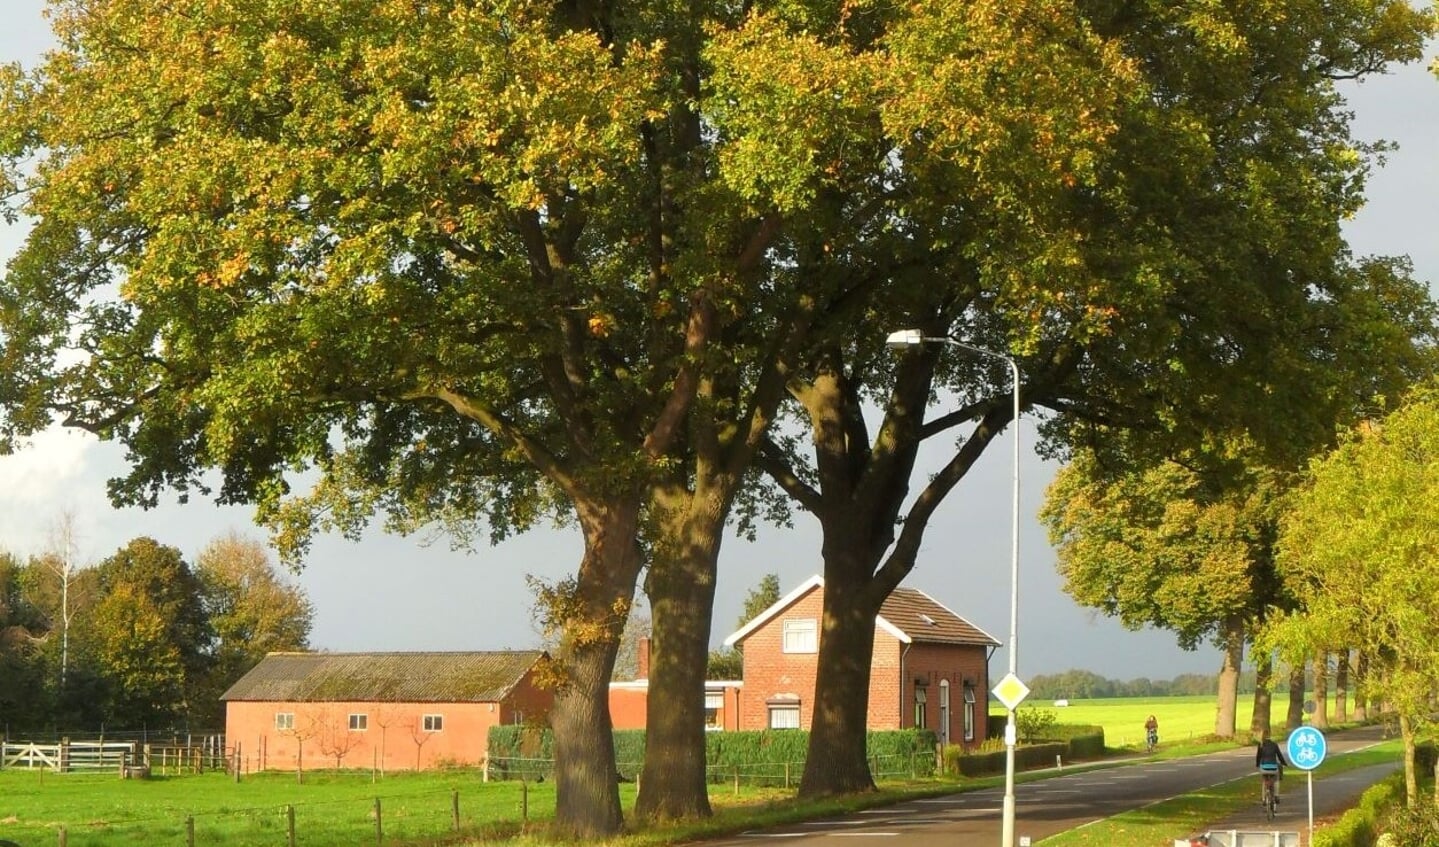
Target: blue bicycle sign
(1306,748)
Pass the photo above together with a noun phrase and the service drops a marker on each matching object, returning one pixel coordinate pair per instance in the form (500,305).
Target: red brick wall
(769,671)
(933,663)
(394,738)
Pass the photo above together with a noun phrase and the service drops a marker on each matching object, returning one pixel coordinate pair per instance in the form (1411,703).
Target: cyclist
(1151,732)
(1270,761)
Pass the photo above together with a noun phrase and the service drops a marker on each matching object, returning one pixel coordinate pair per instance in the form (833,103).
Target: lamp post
(904,339)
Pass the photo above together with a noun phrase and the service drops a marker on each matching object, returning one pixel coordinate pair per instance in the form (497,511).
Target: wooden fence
(126,758)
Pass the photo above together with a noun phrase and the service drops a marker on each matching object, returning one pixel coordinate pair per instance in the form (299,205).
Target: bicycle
(1270,800)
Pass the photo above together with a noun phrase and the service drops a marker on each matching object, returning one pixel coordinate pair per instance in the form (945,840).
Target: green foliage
(1414,826)
(764,757)
(725,663)
(1359,827)
(1360,550)
(1032,723)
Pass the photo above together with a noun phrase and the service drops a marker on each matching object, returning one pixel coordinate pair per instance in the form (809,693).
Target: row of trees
(1085,685)
(141,639)
(480,265)
(1324,573)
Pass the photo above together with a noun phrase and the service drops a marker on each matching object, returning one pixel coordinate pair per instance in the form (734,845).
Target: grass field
(1181,719)
(329,808)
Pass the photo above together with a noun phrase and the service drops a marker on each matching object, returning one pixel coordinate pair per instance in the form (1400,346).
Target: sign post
(1306,751)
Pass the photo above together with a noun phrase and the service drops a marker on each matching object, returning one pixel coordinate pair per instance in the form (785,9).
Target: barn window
(359,722)
(284,720)
(801,635)
(434,723)
(921,698)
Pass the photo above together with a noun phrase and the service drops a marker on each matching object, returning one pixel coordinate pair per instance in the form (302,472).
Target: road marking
(862,834)
(775,834)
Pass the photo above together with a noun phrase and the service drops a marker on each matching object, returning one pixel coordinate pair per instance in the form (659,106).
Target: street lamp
(904,339)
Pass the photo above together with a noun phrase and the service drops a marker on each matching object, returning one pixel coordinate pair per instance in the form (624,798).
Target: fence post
(64,756)
(189,831)
(524,801)
(379,824)
(290,824)
(786,775)
(455,808)
(123,756)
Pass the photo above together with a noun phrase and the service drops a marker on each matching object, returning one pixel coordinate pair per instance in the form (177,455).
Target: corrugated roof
(925,619)
(468,677)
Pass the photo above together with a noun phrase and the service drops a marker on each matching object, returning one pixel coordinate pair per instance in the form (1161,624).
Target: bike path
(1333,795)
(1068,799)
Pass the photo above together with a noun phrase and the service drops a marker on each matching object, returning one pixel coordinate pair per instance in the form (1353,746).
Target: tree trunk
(681,586)
(836,762)
(1411,774)
(1294,717)
(1320,718)
(1341,687)
(1259,722)
(1228,702)
(587,798)
(1361,669)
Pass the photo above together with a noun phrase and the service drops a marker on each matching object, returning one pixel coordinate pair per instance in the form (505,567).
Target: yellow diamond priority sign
(1011,691)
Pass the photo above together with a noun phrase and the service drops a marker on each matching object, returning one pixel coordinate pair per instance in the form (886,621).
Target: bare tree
(60,559)
(421,737)
(336,739)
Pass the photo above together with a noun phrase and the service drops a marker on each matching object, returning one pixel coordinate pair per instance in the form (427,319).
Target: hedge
(1359,827)
(765,757)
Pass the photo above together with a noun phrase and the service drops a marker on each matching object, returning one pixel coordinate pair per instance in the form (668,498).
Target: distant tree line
(1085,685)
(142,639)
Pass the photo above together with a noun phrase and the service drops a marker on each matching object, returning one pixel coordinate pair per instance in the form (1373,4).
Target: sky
(393,593)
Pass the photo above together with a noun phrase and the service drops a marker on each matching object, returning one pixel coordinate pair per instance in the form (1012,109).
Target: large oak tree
(1192,283)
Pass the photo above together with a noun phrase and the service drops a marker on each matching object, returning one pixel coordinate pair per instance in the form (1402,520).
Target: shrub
(1032,724)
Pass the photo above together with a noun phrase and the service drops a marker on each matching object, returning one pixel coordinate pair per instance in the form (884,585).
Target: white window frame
(969,713)
(359,722)
(284,721)
(801,635)
(714,708)
(433,723)
(921,710)
(784,715)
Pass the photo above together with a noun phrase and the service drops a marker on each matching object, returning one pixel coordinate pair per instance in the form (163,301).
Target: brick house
(930,666)
(397,711)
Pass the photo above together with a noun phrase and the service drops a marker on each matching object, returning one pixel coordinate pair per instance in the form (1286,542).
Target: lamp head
(904,339)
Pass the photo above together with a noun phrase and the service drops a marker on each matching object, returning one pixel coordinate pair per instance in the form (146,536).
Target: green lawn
(1181,719)
(329,808)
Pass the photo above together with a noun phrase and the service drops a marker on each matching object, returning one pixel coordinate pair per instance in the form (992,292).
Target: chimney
(642,661)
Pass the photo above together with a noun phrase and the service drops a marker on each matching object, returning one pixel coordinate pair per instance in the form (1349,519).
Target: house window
(714,709)
(801,635)
(944,711)
(921,699)
(434,723)
(284,720)
(969,713)
(784,714)
(359,723)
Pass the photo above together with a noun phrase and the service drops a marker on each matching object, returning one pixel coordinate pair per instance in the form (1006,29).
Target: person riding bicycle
(1270,760)
(1151,732)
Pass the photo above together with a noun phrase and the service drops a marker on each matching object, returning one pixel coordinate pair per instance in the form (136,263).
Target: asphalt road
(1070,800)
